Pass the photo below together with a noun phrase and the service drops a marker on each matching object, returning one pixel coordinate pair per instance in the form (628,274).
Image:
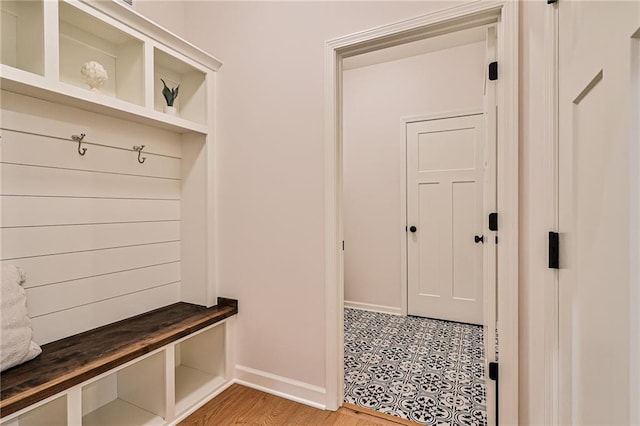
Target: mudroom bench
(150,369)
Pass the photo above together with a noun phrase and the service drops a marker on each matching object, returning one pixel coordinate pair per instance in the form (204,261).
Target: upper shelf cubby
(22,31)
(191,103)
(45,44)
(84,38)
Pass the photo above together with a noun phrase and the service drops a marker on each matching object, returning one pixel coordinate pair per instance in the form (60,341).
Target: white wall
(270,167)
(270,175)
(375,98)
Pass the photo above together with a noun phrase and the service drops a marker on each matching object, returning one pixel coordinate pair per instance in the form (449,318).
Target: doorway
(504,16)
(421,369)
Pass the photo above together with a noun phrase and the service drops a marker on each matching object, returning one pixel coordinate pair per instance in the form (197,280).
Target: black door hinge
(493,371)
(554,250)
(493,221)
(551,1)
(493,375)
(342,245)
(493,71)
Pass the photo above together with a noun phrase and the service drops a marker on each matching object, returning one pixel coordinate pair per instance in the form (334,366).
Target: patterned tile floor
(424,370)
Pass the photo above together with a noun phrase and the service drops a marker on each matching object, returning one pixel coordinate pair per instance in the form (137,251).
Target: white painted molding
(126,15)
(505,16)
(634,295)
(403,222)
(463,16)
(334,275)
(550,279)
(284,387)
(508,201)
(373,308)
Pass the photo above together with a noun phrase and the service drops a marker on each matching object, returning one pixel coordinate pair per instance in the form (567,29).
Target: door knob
(413,229)
(479,239)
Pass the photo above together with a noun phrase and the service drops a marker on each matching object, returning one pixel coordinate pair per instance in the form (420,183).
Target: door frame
(404,261)
(504,14)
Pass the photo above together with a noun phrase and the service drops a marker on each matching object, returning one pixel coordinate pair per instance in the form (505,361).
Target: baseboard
(284,387)
(373,308)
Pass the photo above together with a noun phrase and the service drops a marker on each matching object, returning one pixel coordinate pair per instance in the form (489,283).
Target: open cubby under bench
(189,360)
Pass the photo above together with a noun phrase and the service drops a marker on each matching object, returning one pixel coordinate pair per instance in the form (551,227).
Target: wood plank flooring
(240,405)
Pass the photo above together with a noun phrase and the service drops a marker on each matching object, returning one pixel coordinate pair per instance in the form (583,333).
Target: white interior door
(599,72)
(445,214)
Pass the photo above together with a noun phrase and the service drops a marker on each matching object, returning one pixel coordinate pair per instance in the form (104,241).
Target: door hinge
(342,245)
(554,250)
(493,371)
(551,1)
(493,375)
(493,221)
(493,71)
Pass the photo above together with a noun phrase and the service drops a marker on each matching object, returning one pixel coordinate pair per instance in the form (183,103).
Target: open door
(598,91)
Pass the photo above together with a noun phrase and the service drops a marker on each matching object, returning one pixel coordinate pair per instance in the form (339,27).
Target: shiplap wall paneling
(99,235)
(51,269)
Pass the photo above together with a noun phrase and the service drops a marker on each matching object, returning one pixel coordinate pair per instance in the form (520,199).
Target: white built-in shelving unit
(160,388)
(44,44)
(51,412)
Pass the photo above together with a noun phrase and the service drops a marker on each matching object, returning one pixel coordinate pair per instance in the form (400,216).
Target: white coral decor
(94,74)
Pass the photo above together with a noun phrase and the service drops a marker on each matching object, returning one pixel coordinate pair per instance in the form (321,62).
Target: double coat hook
(83,150)
(139,148)
(79,139)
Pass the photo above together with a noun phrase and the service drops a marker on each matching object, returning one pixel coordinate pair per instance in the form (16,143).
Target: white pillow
(16,334)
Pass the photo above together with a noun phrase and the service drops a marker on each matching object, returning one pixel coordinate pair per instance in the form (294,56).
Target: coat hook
(79,139)
(139,148)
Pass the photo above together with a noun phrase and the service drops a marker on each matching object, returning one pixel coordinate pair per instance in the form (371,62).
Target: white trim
(334,277)
(373,308)
(284,387)
(550,175)
(404,222)
(468,15)
(634,295)
(508,181)
(505,15)
(135,20)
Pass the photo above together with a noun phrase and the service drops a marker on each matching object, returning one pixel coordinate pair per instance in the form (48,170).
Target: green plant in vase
(170,95)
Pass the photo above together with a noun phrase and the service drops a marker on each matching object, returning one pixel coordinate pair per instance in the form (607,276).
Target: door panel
(445,172)
(595,125)
(467,270)
(431,267)
(447,150)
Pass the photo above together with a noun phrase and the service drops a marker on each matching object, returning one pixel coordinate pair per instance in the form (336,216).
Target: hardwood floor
(240,405)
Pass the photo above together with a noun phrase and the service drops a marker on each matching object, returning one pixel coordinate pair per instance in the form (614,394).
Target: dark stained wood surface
(75,359)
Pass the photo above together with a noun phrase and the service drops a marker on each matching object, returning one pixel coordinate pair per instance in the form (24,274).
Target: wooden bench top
(75,359)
